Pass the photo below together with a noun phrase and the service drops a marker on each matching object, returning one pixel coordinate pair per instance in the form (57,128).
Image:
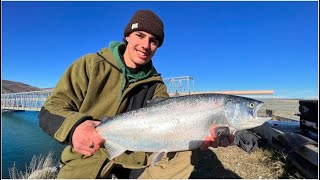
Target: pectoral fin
(113,149)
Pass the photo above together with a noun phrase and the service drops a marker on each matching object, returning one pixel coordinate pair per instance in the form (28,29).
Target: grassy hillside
(14,87)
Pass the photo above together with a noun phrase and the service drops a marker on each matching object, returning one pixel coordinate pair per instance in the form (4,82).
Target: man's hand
(85,138)
(218,136)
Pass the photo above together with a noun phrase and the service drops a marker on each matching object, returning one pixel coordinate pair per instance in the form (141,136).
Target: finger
(214,143)
(97,144)
(96,135)
(96,123)
(213,131)
(93,147)
(88,146)
(97,138)
(231,138)
(224,142)
(84,152)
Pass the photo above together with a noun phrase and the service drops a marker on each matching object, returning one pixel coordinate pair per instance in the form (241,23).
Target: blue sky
(223,45)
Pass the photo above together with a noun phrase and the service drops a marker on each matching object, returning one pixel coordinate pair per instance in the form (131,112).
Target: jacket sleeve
(160,91)
(60,114)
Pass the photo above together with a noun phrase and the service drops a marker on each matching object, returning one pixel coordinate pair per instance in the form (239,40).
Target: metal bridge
(27,101)
(177,86)
(34,100)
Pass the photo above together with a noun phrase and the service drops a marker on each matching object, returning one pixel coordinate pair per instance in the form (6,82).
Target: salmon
(177,123)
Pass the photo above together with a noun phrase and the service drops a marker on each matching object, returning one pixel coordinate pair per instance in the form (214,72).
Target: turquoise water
(22,138)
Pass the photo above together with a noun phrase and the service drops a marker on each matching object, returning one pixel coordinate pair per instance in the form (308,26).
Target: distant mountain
(15,87)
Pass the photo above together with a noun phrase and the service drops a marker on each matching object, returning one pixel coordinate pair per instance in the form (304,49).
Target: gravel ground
(287,108)
(281,104)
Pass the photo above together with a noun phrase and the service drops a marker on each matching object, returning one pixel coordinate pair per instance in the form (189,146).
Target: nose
(145,43)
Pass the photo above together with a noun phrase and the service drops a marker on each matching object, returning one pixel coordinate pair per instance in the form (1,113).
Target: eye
(138,34)
(251,105)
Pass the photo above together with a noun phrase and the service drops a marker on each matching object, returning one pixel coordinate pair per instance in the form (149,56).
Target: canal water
(22,138)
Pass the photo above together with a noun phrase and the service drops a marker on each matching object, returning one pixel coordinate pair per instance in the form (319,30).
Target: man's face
(140,49)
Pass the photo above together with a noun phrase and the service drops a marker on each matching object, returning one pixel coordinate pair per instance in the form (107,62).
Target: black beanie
(146,20)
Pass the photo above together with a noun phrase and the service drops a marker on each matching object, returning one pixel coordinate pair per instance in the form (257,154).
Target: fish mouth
(256,109)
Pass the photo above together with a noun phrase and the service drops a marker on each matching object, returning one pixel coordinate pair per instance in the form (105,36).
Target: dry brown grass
(233,162)
(256,165)
(40,167)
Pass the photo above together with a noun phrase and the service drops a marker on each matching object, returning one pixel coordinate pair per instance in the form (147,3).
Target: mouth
(255,111)
(142,54)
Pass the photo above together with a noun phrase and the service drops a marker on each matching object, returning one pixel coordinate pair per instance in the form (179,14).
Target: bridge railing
(32,100)
(178,86)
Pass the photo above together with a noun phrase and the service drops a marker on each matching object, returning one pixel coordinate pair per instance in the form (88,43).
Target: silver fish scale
(174,124)
(151,129)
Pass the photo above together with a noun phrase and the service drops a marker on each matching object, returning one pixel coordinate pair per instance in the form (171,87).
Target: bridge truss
(30,101)
(178,86)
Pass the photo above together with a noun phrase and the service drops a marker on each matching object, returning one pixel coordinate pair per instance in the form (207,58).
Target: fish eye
(251,105)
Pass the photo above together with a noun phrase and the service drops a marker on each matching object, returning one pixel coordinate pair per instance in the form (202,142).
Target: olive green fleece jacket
(89,89)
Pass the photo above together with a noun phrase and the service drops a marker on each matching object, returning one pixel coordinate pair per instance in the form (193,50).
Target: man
(117,79)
